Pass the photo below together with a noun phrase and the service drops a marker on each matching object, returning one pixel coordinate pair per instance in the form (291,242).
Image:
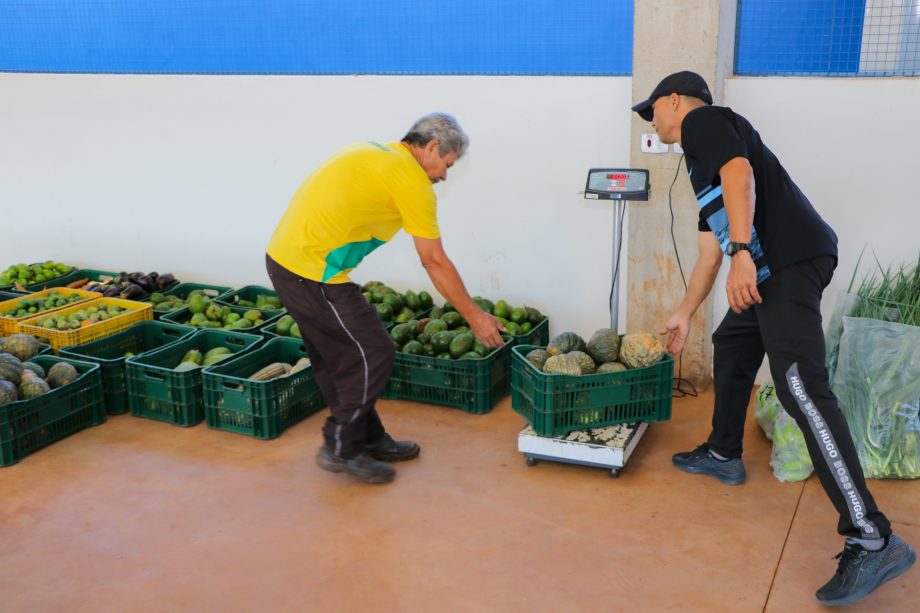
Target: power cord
(678,390)
(616,269)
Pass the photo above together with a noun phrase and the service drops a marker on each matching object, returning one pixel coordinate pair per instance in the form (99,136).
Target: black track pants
(787,328)
(350,352)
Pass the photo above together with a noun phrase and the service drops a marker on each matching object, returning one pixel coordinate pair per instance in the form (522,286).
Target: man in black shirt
(782,255)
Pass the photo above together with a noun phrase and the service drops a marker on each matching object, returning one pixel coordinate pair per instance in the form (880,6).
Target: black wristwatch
(733,248)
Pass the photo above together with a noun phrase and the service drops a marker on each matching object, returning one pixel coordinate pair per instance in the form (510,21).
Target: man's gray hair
(442,128)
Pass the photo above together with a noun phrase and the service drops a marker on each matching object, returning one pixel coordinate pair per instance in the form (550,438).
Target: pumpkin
(8,392)
(23,346)
(587,365)
(32,386)
(61,374)
(640,349)
(537,357)
(38,370)
(562,365)
(564,343)
(610,367)
(604,345)
(10,368)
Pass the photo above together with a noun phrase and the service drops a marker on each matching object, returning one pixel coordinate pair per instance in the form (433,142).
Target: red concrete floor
(136,515)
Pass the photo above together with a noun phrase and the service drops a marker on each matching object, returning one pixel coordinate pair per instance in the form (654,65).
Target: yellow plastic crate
(136,311)
(10,325)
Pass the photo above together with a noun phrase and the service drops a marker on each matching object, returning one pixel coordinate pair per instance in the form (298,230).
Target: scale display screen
(617,184)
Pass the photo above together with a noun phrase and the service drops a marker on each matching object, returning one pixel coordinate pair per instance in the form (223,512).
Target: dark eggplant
(112,291)
(93,286)
(122,277)
(134,276)
(134,292)
(146,283)
(164,280)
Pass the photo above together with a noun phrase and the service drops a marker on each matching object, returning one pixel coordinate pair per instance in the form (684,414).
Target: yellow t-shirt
(355,202)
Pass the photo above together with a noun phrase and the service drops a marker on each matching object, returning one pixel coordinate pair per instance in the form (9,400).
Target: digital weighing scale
(608,447)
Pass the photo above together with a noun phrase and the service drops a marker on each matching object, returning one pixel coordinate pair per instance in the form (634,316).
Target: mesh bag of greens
(845,306)
(790,460)
(766,406)
(878,387)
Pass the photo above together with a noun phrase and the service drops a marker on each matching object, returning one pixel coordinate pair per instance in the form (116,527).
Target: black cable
(616,269)
(678,391)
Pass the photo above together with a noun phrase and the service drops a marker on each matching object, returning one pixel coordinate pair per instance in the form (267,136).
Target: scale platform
(608,447)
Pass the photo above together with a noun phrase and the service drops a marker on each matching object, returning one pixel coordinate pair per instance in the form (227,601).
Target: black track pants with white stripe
(787,328)
(350,351)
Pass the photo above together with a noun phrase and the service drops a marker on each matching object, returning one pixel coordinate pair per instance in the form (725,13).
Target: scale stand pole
(616,271)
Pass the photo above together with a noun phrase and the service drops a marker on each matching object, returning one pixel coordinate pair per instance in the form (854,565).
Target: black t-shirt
(787,228)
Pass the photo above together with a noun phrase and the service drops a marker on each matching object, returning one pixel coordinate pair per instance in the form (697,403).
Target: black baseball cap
(685,83)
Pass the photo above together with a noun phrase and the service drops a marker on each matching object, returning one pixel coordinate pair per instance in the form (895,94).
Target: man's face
(664,119)
(434,165)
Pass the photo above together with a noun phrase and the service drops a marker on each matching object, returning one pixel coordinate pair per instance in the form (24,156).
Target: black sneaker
(698,461)
(386,449)
(861,571)
(363,466)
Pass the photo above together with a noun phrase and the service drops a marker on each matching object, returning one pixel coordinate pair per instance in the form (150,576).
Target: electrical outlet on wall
(651,144)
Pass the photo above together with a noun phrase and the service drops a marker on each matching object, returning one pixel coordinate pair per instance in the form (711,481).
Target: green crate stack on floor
(260,409)
(157,390)
(556,404)
(112,352)
(28,425)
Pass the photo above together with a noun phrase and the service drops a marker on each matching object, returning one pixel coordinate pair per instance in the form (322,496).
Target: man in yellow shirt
(354,202)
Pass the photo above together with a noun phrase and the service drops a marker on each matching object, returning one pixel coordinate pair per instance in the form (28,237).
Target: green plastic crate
(28,425)
(182,290)
(538,335)
(249,292)
(156,391)
(109,353)
(260,409)
(74,275)
(555,405)
(475,386)
(182,315)
(10,295)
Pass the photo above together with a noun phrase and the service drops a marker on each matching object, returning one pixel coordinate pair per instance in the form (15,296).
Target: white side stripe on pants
(831,454)
(338,430)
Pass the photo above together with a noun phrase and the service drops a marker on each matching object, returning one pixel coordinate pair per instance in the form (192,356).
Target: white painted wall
(190,174)
(851,146)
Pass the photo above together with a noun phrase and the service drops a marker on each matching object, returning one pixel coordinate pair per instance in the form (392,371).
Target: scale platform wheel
(531,461)
(615,473)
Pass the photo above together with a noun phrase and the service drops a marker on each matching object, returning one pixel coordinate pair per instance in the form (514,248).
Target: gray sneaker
(861,571)
(698,461)
(363,466)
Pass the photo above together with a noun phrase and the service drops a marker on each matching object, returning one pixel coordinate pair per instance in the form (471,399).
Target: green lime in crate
(28,425)
(160,388)
(556,404)
(221,316)
(25,306)
(34,277)
(86,321)
(177,298)
(112,352)
(261,409)
(473,385)
(253,297)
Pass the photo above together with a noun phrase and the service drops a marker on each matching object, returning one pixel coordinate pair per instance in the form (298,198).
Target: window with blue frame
(327,37)
(828,37)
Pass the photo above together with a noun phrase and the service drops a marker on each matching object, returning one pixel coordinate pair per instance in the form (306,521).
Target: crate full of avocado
(525,324)
(572,385)
(203,312)
(439,361)
(25,277)
(393,306)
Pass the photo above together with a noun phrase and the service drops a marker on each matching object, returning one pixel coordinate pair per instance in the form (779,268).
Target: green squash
(23,346)
(564,343)
(611,367)
(641,349)
(61,374)
(537,357)
(8,392)
(38,370)
(10,368)
(562,365)
(587,365)
(32,386)
(604,346)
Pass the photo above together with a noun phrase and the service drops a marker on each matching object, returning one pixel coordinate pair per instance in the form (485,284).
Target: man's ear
(432,145)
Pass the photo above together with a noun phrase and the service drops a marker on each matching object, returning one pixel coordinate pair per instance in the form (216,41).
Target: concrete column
(672,35)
